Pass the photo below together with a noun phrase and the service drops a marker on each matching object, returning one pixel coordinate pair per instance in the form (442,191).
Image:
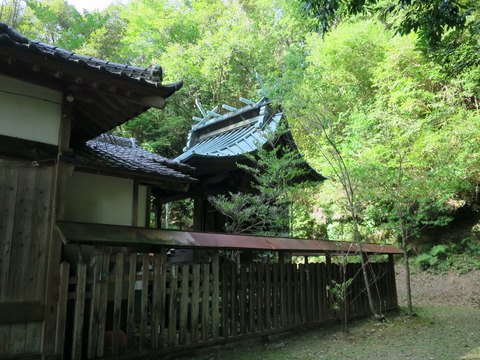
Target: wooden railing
(112,306)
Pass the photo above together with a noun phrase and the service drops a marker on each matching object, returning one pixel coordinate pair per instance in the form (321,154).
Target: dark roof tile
(108,152)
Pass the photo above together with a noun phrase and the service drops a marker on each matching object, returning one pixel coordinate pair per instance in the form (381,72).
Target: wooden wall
(25,223)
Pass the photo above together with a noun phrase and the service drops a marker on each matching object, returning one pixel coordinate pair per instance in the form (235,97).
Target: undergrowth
(461,257)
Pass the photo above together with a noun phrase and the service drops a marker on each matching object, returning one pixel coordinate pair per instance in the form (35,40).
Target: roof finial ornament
(262,92)
(206,114)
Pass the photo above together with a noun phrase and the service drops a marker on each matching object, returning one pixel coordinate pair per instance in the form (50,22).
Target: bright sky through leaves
(92,5)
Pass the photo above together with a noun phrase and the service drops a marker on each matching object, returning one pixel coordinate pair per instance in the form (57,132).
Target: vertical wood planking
(102,314)
(391,269)
(215,295)
(251,298)
(62,309)
(79,312)
(268,299)
(260,297)
(233,300)
(206,301)
(224,287)
(243,290)
(310,311)
(8,193)
(195,303)
(163,299)
(157,300)
(95,304)
(117,302)
(41,220)
(33,337)
(22,230)
(132,277)
(291,293)
(283,295)
(144,302)
(18,334)
(275,295)
(302,272)
(183,326)
(173,306)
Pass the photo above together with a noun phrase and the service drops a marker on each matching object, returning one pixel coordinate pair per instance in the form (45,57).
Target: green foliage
(403,110)
(180,215)
(339,292)
(462,257)
(11,12)
(405,138)
(61,24)
(431,19)
(266,210)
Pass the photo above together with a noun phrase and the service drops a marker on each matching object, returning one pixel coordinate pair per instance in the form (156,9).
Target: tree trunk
(407,275)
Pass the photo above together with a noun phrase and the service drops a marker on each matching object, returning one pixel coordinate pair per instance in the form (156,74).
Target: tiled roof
(233,134)
(227,138)
(101,95)
(113,153)
(151,75)
(232,143)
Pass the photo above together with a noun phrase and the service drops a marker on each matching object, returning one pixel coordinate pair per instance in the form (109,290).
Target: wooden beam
(21,312)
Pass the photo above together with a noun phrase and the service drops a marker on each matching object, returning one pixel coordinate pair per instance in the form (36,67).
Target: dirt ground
(440,289)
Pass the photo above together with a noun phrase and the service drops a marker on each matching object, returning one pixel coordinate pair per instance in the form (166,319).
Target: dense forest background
(391,89)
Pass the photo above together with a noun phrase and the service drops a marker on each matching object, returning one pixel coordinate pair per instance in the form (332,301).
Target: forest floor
(446,327)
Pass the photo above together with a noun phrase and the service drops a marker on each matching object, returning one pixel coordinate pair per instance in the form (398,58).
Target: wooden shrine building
(82,275)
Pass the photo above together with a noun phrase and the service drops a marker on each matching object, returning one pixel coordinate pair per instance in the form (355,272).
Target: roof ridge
(152,74)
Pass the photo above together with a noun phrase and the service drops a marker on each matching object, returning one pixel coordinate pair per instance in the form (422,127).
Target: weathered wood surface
(162,306)
(25,226)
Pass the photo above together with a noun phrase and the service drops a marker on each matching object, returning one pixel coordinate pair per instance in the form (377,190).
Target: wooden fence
(113,306)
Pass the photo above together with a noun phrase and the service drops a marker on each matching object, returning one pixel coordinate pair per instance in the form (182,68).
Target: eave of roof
(104,94)
(82,233)
(117,158)
(225,140)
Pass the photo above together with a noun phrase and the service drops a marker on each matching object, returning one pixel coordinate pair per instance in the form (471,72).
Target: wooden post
(54,243)
(62,309)
(206,302)
(391,269)
(172,308)
(79,312)
(95,304)
(102,315)
(117,306)
(198,214)
(195,303)
(269,299)
(132,277)
(144,301)
(243,290)
(215,294)
(275,295)
(182,326)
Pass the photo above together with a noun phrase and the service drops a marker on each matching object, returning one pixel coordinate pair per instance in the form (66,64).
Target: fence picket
(79,312)
(182,326)
(117,302)
(62,309)
(180,305)
(132,276)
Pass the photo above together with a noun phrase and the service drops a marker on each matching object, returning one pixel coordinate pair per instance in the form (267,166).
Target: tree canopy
(397,82)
